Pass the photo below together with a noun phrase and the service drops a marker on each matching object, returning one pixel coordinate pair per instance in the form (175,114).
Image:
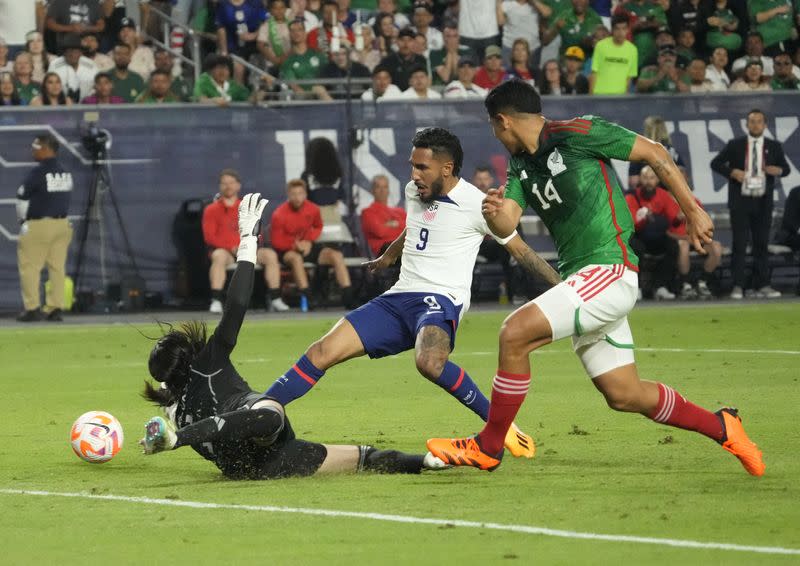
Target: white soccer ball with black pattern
(96,437)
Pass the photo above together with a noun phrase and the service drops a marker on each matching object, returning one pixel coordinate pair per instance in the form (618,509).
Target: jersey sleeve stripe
(621,244)
(567,129)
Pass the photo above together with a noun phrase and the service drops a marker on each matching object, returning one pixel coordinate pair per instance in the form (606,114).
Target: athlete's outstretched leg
(525,330)
(522,332)
(339,344)
(432,350)
(624,391)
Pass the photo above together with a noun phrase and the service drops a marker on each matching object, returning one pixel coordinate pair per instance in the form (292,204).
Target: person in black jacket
(751,163)
(401,62)
(789,232)
(211,408)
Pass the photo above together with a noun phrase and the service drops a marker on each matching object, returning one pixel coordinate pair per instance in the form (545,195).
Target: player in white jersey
(444,229)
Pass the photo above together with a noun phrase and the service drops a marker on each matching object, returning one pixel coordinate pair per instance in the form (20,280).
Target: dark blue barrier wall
(162,156)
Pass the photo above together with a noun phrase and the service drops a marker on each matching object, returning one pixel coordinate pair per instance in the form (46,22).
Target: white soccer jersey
(442,241)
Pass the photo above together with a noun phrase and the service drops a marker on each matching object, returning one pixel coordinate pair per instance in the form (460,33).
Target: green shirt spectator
(613,66)
(181,89)
(127,85)
(650,17)
(575,26)
(158,91)
(663,77)
(784,78)
(723,25)
(301,66)
(207,88)
(557,6)
(773,19)
(29,91)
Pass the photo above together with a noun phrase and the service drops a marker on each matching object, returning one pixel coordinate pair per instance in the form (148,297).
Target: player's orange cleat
(463,452)
(737,443)
(520,445)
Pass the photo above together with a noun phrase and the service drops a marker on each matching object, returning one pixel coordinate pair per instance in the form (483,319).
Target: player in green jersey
(562,169)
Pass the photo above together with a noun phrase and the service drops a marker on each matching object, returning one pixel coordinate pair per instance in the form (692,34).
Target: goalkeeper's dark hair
(513,97)
(171,359)
(441,142)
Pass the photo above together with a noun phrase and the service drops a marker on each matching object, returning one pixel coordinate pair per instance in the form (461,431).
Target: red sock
(508,393)
(676,411)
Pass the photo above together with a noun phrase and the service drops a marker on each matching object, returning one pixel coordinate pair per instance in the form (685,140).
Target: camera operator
(42,206)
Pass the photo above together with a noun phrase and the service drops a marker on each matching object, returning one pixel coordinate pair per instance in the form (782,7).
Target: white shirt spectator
(456,89)
(720,81)
(741,63)
(522,22)
(80,80)
(477,19)
(103,61)
(142,61)
(435,39)
(391,93)
(411,94)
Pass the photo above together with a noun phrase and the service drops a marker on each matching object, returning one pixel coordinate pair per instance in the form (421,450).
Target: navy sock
(459,384)
(296,382)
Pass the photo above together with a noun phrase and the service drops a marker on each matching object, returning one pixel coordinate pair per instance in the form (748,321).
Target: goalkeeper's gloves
(159,435)
(250,210)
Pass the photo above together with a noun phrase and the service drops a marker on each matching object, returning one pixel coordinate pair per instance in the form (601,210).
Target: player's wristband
(507,239)
(248,246)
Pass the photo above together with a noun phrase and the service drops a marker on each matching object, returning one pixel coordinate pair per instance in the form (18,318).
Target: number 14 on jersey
(550,194)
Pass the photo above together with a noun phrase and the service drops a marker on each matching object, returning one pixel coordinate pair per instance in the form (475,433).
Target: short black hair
(161,72)
(214,60)
(48,140)
(380,69)
(754,33)
(441,142)
(619,19)
(513,96)
(103,75)
(483,168)
(757,111)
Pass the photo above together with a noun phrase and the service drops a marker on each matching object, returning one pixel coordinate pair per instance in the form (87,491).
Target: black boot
(33,315)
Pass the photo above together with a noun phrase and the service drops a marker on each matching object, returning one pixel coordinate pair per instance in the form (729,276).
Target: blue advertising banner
(162,156)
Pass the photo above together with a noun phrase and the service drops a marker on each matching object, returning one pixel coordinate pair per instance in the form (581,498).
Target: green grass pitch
(596,471)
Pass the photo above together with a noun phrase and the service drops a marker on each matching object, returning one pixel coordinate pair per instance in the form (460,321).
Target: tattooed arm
(532,262)
(699,227)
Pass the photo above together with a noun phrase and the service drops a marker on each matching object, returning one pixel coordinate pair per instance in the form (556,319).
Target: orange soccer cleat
(520,445)
(737,442)
(463,452)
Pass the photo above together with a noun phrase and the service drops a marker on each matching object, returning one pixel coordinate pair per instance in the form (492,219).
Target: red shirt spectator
(679,229)
(491,72)
(658,202)
(322,41)
(382,224)
(221,225)
(290,225)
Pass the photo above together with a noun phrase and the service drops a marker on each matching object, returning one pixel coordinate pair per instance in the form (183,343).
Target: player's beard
(436,189)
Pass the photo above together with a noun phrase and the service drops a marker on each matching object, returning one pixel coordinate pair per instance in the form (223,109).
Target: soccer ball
(96,437)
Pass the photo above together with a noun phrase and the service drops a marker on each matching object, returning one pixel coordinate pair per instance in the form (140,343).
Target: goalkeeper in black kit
(211,408)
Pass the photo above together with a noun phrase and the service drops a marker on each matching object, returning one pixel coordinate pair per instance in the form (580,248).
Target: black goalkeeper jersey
(215,387)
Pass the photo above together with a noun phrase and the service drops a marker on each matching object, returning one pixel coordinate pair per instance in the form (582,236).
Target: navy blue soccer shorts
(389,324)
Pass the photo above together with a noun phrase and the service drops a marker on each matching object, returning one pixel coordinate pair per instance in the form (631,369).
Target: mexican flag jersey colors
(570,183)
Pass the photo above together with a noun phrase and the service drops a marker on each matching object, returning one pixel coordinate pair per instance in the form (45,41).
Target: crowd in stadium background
(74,51)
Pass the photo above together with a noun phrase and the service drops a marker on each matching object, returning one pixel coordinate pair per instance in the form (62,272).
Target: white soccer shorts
(592,306)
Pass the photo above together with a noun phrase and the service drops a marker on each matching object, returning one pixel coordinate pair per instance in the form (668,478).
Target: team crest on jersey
(556,163)
(523,175)
(430,214)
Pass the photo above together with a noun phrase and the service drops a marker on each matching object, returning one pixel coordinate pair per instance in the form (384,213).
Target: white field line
(526,529)
(464,354)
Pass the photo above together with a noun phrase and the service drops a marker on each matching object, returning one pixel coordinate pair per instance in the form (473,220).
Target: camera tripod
(94,213)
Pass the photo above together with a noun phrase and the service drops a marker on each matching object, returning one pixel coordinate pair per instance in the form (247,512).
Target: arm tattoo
(534,264)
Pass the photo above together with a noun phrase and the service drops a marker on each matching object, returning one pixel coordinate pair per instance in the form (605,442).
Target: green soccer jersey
(776,29)
(577,32)
(570,183)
